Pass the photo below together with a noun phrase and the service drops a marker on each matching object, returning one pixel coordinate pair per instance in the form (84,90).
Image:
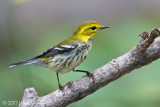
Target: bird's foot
(90,75)
(61,88)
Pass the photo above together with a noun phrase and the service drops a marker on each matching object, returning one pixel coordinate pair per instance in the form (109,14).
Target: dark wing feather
(57,50)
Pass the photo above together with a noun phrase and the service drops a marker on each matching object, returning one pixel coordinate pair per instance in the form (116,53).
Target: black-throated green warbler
(68,54)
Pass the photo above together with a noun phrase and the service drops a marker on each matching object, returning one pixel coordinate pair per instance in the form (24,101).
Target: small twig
(146,41)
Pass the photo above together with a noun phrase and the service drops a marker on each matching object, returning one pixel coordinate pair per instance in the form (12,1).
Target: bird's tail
(25,62)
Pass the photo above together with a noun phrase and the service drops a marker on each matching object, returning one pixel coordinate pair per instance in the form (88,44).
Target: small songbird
(68,54)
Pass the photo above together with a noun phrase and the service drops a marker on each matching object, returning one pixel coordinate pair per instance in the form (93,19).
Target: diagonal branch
(147,50)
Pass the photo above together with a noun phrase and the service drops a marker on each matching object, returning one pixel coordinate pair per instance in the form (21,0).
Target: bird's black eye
(93,28)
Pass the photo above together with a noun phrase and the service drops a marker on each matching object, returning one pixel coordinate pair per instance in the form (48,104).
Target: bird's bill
(103,27)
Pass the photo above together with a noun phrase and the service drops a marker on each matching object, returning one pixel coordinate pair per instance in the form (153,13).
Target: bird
(68,54)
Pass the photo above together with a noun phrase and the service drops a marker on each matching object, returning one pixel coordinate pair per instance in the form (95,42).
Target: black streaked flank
(77,57)
(64,64)
(82,57)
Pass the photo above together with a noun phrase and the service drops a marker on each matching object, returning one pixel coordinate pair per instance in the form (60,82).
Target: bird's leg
(60,87)
(90,75)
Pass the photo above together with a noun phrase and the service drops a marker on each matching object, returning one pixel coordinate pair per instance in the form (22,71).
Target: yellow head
(84,32)
(88,30)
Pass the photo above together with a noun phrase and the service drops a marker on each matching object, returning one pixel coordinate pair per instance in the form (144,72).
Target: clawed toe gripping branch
(147,50)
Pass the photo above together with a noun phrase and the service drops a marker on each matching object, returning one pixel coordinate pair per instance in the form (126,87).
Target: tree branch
(147,50)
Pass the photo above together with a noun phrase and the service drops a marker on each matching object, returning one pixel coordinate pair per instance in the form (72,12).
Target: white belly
(66,62)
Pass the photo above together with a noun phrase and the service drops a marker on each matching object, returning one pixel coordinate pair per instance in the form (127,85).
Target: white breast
(68,61)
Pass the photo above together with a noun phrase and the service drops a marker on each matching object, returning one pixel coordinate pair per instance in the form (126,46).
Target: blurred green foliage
(140,88)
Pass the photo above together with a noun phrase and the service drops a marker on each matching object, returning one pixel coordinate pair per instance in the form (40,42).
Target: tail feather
(25,62)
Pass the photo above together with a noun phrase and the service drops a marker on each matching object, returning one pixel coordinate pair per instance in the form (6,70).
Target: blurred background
(29,27)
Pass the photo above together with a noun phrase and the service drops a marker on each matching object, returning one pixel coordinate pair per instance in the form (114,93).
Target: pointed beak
(103,27)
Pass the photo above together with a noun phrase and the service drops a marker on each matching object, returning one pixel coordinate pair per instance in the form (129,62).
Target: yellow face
(88,30)
(84,32)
